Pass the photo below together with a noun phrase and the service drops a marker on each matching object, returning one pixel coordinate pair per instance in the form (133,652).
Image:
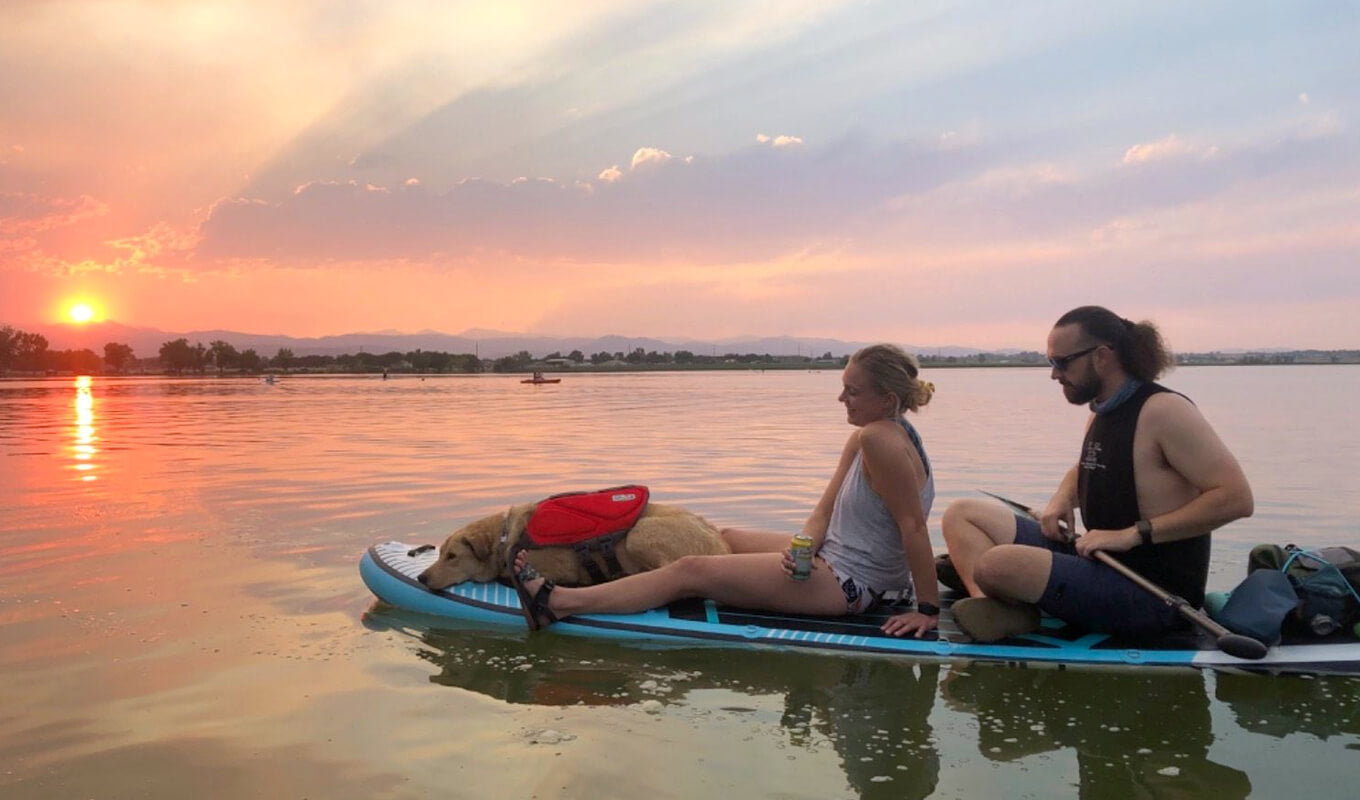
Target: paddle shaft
(1231,643)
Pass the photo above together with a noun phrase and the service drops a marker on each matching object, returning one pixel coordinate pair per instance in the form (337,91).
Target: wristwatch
(1145,531)
(929,609)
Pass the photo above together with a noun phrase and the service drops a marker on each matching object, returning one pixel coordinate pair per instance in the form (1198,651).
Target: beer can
(801,547)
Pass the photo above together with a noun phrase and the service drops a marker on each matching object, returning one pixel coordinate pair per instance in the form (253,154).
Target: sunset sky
(919,172)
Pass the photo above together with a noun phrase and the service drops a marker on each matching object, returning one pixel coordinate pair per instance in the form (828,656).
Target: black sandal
(537,605)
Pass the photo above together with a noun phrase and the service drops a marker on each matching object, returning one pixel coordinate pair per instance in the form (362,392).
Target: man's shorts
(1084,592)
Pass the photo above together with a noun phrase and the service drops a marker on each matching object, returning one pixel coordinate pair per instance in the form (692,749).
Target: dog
(478,552)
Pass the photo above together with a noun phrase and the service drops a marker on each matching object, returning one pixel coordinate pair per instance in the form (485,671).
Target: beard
(1082,392)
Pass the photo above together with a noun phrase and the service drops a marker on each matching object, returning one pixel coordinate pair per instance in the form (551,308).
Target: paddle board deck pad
(390,569)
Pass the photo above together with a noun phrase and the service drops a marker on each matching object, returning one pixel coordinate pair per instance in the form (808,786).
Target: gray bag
(1258,606)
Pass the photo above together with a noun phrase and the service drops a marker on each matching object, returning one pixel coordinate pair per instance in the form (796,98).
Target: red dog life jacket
(591,523)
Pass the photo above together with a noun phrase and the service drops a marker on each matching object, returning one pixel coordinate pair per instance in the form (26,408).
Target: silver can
(801,548)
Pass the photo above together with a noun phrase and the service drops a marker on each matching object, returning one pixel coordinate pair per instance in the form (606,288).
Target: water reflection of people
(1134,734)
(877,715)
(1322,707)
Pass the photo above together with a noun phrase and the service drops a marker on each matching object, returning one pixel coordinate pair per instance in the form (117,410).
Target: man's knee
(968,518)
(1014,572)
(958,519)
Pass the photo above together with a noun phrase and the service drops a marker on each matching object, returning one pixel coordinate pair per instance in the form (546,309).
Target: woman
(868,530)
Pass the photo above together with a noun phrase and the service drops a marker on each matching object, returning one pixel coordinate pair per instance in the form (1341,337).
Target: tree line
(21,351)
(29,353)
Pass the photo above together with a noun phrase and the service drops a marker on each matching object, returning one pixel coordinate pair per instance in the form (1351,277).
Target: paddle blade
(1014,506)
(1240,646)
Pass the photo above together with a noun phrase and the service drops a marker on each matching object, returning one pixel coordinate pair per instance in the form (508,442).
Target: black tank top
(1109,501)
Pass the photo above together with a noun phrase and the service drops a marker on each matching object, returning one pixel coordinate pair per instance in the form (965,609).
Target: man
(1152,481)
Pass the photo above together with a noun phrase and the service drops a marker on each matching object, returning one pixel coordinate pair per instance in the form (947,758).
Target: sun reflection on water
(84,448)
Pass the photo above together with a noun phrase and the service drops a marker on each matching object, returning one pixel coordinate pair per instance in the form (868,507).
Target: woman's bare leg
(750,580)
(749,540)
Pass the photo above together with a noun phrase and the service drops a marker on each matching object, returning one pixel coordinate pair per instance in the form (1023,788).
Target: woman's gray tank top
(862,540)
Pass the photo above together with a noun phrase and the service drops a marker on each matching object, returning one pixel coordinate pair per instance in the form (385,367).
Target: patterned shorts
(859,597)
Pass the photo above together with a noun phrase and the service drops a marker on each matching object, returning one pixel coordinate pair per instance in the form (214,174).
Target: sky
(917,172)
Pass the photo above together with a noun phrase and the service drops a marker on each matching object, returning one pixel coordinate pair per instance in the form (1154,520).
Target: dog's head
(471,553)
(475,551)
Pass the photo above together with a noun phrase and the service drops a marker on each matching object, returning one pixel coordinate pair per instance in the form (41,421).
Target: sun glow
(80,313)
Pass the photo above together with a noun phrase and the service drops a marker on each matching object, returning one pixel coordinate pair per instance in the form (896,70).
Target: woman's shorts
(859,597)
(1085,592)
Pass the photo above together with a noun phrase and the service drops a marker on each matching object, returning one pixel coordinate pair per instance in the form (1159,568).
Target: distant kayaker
(1153,480)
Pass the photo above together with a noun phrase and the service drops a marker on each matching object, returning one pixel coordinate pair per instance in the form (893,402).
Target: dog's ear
(481,547)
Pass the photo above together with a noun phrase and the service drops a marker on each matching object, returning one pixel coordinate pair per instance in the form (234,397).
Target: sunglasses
(1061,363)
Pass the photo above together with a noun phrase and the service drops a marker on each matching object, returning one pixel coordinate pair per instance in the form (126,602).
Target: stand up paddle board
(390,569)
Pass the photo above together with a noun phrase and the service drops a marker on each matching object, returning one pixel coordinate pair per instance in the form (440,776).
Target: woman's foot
(534,592)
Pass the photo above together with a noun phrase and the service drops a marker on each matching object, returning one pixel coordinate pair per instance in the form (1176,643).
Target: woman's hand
(910,622)
(788,565)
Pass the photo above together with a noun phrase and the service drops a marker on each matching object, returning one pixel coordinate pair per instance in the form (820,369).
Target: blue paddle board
(390,569)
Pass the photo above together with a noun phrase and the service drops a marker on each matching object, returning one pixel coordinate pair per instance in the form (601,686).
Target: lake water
(181,613)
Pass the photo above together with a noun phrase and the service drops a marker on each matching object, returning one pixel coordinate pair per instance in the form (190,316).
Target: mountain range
(491,344)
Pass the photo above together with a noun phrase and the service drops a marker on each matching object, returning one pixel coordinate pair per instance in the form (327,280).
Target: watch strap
(1145,531)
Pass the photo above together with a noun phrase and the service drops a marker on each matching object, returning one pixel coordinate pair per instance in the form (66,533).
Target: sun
(80,313)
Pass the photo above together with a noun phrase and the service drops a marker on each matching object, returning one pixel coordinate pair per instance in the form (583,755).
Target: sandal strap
(539,605)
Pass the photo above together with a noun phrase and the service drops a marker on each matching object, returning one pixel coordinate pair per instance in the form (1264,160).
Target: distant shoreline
(926,365)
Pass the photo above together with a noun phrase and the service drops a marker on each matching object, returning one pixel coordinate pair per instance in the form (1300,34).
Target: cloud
(755,203)
(1077,203)
(779,141)
(1164,149)
(28,213)
(649,155)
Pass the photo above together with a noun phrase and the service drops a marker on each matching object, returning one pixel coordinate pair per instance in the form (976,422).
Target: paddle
(1234,644)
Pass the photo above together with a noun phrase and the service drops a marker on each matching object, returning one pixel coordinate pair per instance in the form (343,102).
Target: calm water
(181,612)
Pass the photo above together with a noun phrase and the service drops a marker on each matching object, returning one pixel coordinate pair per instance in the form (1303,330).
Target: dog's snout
(424,579)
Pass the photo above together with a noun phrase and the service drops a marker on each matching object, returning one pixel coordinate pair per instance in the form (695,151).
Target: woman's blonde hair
(894,371)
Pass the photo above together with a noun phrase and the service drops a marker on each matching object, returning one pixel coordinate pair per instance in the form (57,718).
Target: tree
(80,362)
(177,356)
(30,352)
(250,360)
(117,356)
(517,363)
(223,355)
(283,359)
(577,356)
(9,344)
